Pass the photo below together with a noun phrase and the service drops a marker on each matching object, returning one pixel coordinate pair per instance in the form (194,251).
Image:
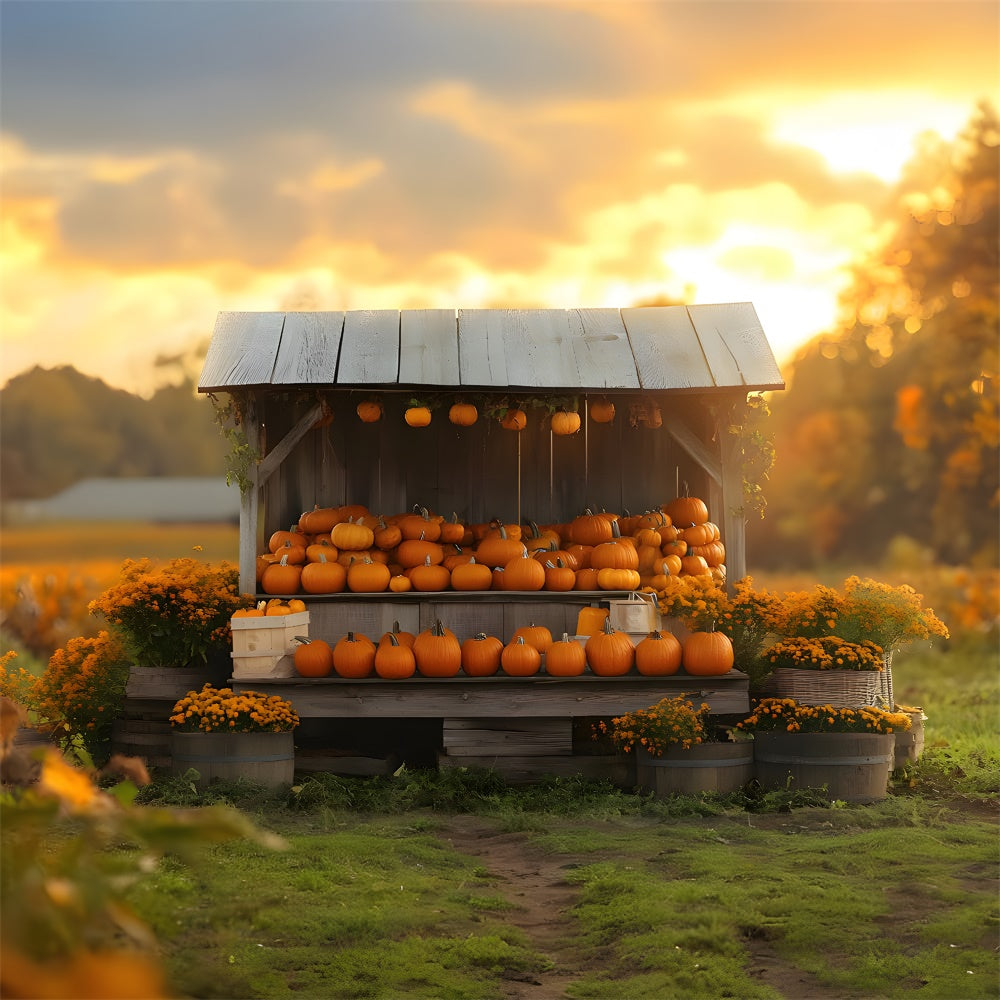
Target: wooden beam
(268,465)
(733,514)
(694,446)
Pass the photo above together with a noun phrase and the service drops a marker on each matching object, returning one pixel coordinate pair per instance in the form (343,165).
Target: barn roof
(651,348)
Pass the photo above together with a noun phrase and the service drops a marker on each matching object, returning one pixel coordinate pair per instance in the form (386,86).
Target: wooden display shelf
(508,697)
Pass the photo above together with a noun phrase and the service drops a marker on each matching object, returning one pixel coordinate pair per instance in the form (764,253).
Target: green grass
(749,896)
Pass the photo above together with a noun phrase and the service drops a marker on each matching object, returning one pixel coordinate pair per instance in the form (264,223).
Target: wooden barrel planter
(265,758)
(853,767)
(143,728)
(705,767)
(910,743)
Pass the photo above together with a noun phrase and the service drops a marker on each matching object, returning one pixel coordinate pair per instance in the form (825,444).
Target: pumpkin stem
(393,641)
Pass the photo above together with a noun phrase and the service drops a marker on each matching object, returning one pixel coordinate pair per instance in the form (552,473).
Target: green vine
(757,451)
(230,416)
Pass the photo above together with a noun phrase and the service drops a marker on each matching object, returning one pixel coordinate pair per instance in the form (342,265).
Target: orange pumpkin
(417,416)
(520,658)
(471,575)
(609,652)
(281,578)
(658,654)
(535,635)
(514,420)
(393,660)
(565,422)
(367,577)
(707,654)
(565,658)
(312,657)
(437,651)
(687,510)
(481,655)
(463,414)
(524,573)
(429,576)
(602,411)
(325,576)
(370,411)
(354,656)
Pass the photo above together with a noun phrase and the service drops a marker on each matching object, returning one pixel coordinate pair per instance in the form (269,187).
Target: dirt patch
(534,882)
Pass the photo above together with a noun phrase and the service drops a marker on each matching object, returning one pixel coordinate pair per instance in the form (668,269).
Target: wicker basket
(836,688)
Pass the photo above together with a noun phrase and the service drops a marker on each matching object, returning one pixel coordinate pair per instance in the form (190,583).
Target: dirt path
(535,883)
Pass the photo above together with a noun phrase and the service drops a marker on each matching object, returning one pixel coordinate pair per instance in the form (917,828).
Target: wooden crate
(264,636)
(508,737)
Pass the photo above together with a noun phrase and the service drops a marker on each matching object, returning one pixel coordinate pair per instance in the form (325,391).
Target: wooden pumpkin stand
(297,379)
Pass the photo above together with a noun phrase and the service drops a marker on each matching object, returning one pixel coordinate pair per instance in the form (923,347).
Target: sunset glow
(708,152)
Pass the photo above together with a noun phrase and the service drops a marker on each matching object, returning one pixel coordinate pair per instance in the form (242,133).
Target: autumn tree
(891,423)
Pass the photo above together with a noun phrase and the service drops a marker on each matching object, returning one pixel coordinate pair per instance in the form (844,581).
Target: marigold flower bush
(222,710)
(18,684)
(83,687)
(827,652)
(174,615)
(669,723)
(786,715)
(864,609)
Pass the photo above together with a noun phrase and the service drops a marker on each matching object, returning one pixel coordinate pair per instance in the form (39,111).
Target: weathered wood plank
(737,325)
(618,769)
(369,348)
(481,349)
(268,465)
(428,347)
(538,348)
(242,350)
(603,353)
(507,737)
(307,354)
(666,349)
(719,357)
(500,696)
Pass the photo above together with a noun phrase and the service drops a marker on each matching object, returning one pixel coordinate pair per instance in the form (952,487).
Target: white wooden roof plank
(428,347)
(603,353)
(310,343)
(667,352)
(537,348)
(481,351)
(718,356)
(369,347)
(242,350)
(737,325)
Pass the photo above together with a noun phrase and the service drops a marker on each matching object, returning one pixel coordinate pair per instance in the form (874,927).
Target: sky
(161,162)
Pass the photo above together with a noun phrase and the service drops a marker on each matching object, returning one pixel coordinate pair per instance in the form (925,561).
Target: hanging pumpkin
(417,416)
(565,658)
(481,655)
(312,657)
(609,652)
(354,656)
(463,414)
(520,659)
(707,654)
(393,660)
(565,422)
(514,420)
(369,411)
(658,654)
(602,411)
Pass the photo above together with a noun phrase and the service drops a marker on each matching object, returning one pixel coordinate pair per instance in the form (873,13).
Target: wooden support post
(733,524)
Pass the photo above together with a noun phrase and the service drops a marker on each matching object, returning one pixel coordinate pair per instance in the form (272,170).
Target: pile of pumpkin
(332,549)
(437,652)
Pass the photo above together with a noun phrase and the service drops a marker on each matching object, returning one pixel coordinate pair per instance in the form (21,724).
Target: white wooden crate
(273,634)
